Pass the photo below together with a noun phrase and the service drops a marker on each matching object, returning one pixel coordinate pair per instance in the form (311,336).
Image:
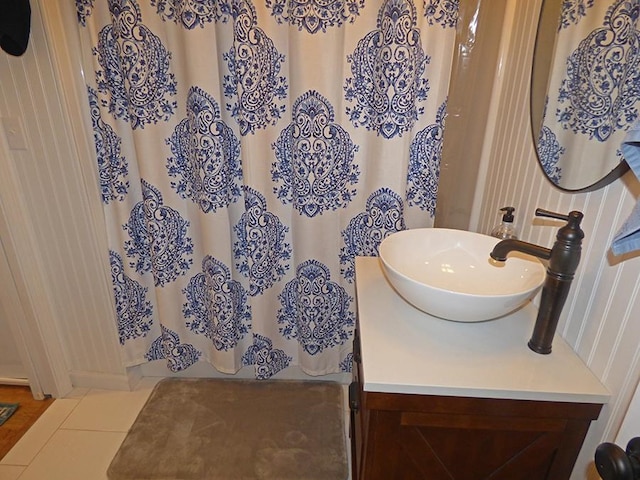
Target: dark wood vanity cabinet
(461,401)
(411,437)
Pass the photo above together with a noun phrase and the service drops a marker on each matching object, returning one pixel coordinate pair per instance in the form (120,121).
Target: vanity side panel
(359,416)
(568,450)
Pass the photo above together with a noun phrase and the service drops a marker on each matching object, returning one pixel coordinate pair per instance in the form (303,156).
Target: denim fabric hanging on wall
(247,151)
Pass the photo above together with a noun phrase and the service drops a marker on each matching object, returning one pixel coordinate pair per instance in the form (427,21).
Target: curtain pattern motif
(248,151)
(596,85)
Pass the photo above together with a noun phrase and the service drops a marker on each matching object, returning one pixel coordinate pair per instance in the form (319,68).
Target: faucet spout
(502,249)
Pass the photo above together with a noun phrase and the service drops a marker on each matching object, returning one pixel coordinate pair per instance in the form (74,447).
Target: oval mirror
(585,85)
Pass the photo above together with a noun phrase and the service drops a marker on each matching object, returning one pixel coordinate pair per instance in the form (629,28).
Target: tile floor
(76,438)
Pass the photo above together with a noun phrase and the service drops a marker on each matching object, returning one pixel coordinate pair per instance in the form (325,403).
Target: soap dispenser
(505,229)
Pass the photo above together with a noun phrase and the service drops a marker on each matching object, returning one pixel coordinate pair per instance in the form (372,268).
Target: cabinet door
(416,446)
(479,447)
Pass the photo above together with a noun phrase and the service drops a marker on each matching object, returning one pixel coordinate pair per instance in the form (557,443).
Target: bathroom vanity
(435,399)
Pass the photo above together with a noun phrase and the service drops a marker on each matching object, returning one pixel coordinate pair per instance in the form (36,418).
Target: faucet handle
(540,212)
(571,233)
(574,217)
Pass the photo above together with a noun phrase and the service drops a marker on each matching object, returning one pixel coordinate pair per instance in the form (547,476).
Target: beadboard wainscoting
(600,318)
(54,236)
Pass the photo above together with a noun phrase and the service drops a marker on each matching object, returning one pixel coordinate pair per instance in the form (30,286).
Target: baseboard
(21,382)
(105,381)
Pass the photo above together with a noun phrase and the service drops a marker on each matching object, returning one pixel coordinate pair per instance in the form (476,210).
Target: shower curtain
(593,90)
(248,151)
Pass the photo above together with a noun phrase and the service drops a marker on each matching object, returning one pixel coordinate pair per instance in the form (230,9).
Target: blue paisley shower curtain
(247,151)
(593,91)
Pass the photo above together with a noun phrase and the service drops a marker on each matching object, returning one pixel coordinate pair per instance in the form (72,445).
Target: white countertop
(407,351)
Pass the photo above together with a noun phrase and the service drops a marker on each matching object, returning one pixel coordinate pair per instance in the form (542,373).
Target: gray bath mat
(236,430)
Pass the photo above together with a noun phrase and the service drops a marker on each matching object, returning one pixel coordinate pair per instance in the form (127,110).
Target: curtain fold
(247,152)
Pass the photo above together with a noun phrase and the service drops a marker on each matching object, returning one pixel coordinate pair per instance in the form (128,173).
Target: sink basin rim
(466,306)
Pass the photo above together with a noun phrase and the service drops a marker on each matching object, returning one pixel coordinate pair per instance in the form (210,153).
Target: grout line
(48,437)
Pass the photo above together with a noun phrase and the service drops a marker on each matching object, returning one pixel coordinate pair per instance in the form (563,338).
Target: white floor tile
(32,442)
(107,410)
(77,393)
(75,455)
(10,472)
(148,382)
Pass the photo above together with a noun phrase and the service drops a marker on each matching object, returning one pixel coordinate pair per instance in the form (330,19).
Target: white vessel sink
(449,274)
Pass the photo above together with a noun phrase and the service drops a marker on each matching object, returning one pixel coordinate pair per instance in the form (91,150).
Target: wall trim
(105,381)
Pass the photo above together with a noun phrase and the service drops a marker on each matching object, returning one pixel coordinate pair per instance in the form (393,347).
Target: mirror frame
(553,13)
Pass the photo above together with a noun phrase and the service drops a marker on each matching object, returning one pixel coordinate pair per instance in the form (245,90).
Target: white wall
(601,318)
(630,427)
(54,220)
(476,57)
(11,366)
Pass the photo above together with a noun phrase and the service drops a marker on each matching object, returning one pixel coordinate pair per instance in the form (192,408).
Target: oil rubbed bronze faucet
(563,258)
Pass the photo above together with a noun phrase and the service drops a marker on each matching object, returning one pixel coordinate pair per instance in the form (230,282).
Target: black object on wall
(15,25)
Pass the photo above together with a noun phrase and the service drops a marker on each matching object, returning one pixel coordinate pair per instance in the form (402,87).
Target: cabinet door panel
(451,453)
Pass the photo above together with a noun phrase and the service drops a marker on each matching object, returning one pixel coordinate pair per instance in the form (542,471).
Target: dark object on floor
(23,419)
(236,429)
(6,410)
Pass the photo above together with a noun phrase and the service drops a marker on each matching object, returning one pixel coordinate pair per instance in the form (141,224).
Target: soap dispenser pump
(505,229)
